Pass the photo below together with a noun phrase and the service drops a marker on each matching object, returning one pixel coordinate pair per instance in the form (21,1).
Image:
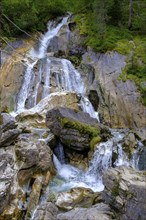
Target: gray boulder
(75,129)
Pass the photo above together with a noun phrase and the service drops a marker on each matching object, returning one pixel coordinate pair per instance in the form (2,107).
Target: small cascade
(59,152)
(46,89)
(73,177)
(23,93)
(46,38)
(71,79)
(87,107)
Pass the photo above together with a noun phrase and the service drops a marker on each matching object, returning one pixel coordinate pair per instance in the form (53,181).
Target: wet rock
(96,212)
(125,192)
(46,211)
(75,129)
(141,162)
(77,197)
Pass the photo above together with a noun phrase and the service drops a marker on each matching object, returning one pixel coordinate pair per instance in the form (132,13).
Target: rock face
(96,212)
(75,129)
(10,82)
(119,103)
(125,192)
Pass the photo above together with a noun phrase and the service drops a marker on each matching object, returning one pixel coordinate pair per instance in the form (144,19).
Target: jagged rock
(33,158)
(8,130)
(96,212)
(9,137)
(75,129)
(46,211)
(34,197)
(7,173)
(77,197)
(125,191)
(35,117)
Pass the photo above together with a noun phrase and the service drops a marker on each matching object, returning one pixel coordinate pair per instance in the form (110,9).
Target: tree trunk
(130,14)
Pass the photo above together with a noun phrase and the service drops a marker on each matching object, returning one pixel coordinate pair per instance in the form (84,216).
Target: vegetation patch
(135,69)
(94,141)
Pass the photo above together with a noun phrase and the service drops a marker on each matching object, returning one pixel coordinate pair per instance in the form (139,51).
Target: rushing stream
(68,79)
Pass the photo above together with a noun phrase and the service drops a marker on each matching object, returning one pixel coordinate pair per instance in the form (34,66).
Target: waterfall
(69,79)
(23,93)
(87,107)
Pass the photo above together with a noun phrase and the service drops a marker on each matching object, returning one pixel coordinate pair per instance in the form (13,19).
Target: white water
(46,38)
(35,55)
(101,161)
(87,107)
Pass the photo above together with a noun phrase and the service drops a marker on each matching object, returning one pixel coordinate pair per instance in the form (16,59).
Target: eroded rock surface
(125,192)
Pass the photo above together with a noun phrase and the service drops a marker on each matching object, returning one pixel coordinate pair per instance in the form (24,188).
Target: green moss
(94,141)
(76,60)
(81,127)
(115,190)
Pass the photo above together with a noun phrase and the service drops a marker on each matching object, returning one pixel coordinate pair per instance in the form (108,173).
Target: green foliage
(136,67)
(30,15)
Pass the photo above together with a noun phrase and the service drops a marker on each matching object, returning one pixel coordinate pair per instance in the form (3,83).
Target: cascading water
(87,107)
(68,78)
(34,56)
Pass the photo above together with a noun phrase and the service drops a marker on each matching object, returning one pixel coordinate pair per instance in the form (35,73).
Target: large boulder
(32,158)
(77,197)
(125,192)
(75,129)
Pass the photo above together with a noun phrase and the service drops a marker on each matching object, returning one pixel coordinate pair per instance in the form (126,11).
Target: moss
(81,127)
(115,190)
(94,141)
(76,60)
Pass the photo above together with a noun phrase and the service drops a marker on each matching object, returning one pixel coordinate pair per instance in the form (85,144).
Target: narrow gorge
(72,135)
